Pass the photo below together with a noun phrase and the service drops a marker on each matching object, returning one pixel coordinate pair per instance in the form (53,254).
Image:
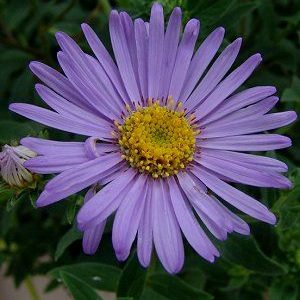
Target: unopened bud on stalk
(11,165)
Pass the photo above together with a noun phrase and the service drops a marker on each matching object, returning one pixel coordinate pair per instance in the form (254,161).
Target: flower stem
(31,289)
(105,6)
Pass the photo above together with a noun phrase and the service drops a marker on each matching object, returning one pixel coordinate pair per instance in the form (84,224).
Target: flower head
(166,136)
(12,160)
(157,139)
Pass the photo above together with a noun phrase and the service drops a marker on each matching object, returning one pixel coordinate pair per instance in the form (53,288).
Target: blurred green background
(264,266)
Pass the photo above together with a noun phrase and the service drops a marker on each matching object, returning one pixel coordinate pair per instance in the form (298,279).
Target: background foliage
(264,266)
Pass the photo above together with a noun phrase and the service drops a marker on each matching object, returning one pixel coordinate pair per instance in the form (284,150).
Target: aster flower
(167,136)
(12,168)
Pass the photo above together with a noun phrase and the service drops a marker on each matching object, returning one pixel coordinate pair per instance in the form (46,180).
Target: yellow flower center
(157,139)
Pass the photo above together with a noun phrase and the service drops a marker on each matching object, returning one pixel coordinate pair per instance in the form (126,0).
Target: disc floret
(157,139)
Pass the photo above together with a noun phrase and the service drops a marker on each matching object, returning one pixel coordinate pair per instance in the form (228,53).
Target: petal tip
(293,116)
(271,218)
(114,13)
(113,17)
(80,226)
(156,8)
(43,199)
(238,41)
(177,11)
(59,35)
(121,255)
(38,87)
(221,30)
(145,262)
(13,107)
(257,57)
(273,89)
(33,65)
(85,26)
(25,140)
(89,252)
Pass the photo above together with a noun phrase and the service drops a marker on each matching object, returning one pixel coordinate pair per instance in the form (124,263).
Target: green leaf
(283,291)
(132,280)
(67,27)
(15,200)
(68,238)
(22,87)
(5,192)
(174,288)
(239,277)
(238,11)
(14,131)
(292,94)
(15,13)
(245,251)
(78,288)
(210,16)
(194,277)
(149,294)
(71,209)
(99,276)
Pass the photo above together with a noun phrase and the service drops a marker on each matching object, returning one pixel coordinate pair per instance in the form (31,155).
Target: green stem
(105,6)
(150,270)
(31,289)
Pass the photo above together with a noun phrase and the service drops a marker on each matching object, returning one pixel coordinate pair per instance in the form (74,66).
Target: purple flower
(12,160)
(167,133)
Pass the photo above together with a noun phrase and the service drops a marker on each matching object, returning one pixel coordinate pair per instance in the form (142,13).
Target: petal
(201,60)
(114,173)
(85,70)
(66,108)
(170,49)
(183,57)
(76,179)
(87,86)
(214,75)
(128,27)
(218,231)
(238,101)
(105,60)
(156,43)
(251,112)
(266,122)
(257,162)
(189,225)
(106,201)
(59,83)
(54,163)
(52,119)
(241,173)
(166,232)
(254,142)
(209,213)
(144,242)
(48,147)
(236,223)
(104,84)
(234,80)
(235,197)
(200,199)
(92,237)
(142,41)
(122,55)
(128,217)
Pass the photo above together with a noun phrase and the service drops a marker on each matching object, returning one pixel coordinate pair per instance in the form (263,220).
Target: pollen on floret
(157,139)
